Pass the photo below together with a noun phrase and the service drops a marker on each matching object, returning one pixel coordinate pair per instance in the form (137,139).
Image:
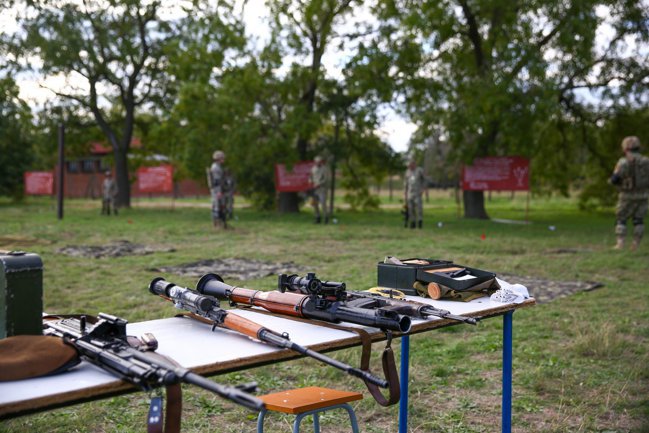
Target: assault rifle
(208,307)
(302,305)
(314,287)
(106,345)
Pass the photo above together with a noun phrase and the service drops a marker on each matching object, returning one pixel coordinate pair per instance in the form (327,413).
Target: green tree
(255,109)
(305,30)
(348,136)
(500,77)
(15,140)
(112,54)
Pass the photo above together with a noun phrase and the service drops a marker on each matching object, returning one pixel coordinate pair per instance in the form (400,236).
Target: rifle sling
(387,358)
(174,392)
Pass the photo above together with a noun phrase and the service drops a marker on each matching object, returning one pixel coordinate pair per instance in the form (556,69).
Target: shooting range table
(193,345)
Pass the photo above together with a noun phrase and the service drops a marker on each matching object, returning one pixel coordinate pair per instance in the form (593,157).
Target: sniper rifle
(312,286)
(208,307)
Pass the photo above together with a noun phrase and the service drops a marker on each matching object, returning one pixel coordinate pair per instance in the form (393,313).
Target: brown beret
(27,356)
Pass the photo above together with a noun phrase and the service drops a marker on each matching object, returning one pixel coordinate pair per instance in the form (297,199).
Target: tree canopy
(501,78)
(15,139)
(551,80)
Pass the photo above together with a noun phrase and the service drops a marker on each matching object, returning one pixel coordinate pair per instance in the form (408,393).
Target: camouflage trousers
(217,207)
(106,205)
(320,200)
(415,209)
(228,205)
(636,209)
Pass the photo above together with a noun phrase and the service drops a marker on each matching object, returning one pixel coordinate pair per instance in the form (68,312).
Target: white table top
(193,345)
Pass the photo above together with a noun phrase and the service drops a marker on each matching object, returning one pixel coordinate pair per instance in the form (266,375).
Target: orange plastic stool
(311,400)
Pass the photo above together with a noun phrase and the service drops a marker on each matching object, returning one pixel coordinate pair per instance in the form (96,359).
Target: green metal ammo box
(21,293)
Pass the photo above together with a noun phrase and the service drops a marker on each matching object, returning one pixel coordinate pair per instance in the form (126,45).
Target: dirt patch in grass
(17,242)
(232,268)
(547,290)
(115,249)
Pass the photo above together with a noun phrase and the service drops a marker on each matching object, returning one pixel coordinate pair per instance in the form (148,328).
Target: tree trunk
(123,179)
(289,202)
(474,205)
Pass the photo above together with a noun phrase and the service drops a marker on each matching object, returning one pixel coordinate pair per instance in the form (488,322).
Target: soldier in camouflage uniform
(320,179)
(414,184)
(215,182)
(109,193)
(631,176)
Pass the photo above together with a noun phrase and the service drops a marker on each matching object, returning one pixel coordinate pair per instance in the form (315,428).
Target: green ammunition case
(21,293)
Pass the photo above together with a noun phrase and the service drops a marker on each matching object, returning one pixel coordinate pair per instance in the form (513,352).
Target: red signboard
(39,183)
(294,180)
(155,179)
(497,173)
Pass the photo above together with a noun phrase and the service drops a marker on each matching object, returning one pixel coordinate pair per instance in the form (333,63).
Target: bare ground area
(114,249)
(232,268)
(241,269)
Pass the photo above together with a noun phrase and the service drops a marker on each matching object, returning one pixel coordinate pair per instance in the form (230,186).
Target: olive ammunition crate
(21,293)
(443,272)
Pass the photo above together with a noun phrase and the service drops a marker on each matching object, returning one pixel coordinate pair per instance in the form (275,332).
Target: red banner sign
(39,183)
(294,180)
(155,179)
(497,173)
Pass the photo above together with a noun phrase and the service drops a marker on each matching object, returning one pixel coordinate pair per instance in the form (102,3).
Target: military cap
(631,143)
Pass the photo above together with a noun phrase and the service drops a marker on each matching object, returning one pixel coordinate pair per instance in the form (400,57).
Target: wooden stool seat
(305,399)
(311,400)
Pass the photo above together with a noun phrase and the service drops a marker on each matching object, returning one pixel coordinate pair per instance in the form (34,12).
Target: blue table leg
(508,324)
(403,402)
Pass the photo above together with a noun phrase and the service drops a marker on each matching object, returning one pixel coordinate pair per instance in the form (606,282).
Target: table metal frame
(506,377)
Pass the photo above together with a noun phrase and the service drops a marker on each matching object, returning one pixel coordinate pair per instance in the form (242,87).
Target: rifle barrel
(228,392)
(444,314)
(288,344)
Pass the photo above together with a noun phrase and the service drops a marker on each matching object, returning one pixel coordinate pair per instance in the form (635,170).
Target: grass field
(581,363)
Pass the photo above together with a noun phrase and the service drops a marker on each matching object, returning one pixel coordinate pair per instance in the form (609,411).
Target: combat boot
(620,243)
(420,223)
(636,243)
(412,225)
(317,220)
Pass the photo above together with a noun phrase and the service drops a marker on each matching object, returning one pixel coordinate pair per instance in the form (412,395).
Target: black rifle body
(403,306)
(105,345)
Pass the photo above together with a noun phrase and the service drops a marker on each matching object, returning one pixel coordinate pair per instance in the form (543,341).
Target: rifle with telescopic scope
(328,310)
(334,290)
(301,305)
(207,307)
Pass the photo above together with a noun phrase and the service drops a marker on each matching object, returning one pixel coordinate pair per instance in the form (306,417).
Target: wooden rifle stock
(241,324)
(282,303)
